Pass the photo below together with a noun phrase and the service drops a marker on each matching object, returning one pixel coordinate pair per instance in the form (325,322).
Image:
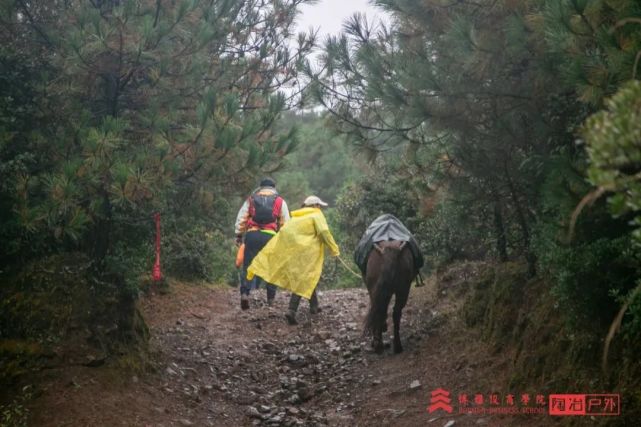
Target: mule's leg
(384,316)
(381,325)
(399,302)
(371,322)
(377,339)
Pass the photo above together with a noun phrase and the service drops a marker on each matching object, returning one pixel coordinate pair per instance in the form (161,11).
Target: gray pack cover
(385,227)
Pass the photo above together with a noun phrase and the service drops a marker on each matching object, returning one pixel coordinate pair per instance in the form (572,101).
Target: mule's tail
(378,307)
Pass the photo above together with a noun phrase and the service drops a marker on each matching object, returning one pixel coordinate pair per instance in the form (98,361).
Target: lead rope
(348,268)
(419,277)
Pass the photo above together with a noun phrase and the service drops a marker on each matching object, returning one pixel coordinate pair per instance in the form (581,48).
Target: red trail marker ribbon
(156,272)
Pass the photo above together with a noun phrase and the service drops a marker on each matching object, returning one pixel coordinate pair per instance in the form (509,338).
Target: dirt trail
(216,365)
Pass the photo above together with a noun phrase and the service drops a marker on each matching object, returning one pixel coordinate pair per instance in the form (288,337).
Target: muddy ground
(215,365)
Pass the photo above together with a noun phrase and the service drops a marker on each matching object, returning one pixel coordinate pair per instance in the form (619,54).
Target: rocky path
(215,365)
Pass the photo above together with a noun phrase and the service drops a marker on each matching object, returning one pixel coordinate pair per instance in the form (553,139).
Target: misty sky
(329,15)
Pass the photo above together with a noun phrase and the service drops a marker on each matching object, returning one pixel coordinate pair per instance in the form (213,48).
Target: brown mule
(390,271)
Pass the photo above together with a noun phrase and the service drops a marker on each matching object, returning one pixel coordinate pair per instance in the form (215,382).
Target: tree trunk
(522,221)
(102,232)
(499,230)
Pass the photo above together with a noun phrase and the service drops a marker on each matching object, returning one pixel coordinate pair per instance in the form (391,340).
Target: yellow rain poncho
(293,259)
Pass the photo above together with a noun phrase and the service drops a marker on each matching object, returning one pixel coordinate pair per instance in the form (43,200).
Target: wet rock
(252,412)
(257,389)
(305,393)
(323,334)
(291,410)
(312,358)
(270,348)
(318,417)
(299,383)
(264,409)
(321,389)
(284,382)
(276,420)
(295,399)
(351,325)
(296,360)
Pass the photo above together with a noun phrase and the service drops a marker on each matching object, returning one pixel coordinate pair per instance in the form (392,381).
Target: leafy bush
(199,253)
(589,276)
(16,413)
(362,202)
(446,230)
(614,147)
(130,263)
(451,233)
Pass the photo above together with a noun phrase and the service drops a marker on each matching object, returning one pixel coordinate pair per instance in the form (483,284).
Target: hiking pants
(254,242)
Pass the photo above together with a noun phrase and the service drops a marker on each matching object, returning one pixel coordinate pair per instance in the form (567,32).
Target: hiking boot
(314,309)
(291,317)
(244,302)
(270,302)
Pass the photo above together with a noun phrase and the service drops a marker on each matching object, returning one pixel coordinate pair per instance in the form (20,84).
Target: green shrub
(16,413)
(451,233)
(198,253)
(590,276)
(130,263)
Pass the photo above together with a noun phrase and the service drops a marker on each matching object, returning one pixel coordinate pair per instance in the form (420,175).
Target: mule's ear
(378,248)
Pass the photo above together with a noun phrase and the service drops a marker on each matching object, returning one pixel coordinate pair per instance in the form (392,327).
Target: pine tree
(150,105)
(464,87)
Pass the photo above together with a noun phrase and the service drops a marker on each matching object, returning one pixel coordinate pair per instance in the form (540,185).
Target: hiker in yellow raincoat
(293,259)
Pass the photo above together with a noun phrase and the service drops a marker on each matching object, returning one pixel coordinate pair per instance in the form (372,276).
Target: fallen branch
(616,324)
(198,316)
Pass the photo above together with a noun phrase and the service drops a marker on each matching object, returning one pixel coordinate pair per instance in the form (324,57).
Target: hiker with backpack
(262,215)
